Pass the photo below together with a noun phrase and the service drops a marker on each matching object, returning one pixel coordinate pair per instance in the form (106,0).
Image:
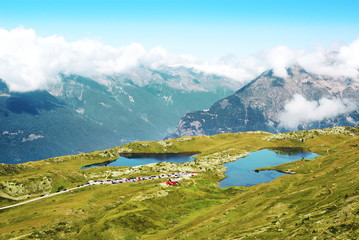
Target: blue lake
(240,172)
(132,160)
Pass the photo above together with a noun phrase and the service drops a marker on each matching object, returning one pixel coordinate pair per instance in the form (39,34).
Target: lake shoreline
(249,171)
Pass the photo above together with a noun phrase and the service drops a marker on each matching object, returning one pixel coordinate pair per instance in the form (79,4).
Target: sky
(239,39)
(203,28)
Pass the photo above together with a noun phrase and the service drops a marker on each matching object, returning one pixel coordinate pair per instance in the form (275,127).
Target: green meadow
(319,201)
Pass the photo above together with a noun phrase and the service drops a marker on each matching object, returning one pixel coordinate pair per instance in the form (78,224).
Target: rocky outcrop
(306,134)
(22,190)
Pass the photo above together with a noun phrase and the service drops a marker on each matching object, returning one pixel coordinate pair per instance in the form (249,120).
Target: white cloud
(301,111)
(30,62)
(339,62)
(279,58)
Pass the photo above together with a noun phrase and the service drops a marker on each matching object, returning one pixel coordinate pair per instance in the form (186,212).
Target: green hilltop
(319,201)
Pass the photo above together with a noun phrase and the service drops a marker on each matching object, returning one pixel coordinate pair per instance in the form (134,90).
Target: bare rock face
(257,105)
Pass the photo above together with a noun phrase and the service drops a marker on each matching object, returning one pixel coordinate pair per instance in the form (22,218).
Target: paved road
(99,182)
(38,198)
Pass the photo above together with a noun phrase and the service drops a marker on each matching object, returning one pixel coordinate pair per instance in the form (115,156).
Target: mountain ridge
(81,114)
(256,105)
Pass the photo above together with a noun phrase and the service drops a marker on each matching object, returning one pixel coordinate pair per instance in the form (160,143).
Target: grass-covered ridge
(321,200)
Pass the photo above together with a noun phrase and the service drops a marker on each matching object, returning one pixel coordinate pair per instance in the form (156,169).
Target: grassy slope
(320,200)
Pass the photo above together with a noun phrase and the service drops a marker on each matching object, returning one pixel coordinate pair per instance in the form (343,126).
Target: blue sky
(203,28)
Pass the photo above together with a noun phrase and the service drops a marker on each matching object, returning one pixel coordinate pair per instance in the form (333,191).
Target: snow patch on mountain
(144,117)
(81,111)
(130,98)
(8,133)
(32,137)
(104,104)
(168,99)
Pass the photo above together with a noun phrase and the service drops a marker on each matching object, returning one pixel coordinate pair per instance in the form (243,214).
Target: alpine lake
(137,159)
(239,173)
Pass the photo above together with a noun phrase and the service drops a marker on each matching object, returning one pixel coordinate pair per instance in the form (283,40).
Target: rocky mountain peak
(257,105)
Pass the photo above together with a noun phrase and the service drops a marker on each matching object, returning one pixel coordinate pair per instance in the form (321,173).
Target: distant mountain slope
(81,114)
(36,125)
(257,106)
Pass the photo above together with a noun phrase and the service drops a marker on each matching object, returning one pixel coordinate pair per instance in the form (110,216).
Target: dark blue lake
(133,159)
(240,172)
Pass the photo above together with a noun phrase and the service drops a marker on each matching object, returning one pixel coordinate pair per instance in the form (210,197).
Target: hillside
(320,201)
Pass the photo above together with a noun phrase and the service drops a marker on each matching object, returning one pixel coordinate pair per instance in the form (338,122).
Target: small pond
(241,172)
(137,159)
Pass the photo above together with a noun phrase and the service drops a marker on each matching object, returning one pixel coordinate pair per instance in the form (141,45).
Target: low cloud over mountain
(302,100)
(300,111)
(30,62)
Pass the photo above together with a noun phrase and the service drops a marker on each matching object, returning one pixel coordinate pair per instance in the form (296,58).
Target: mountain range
(80,114)
(267,103)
